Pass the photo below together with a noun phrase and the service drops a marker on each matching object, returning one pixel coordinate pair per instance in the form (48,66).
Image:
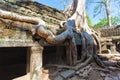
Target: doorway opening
(13,62)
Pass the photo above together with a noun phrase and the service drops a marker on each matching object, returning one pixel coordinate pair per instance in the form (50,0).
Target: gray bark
(107,13)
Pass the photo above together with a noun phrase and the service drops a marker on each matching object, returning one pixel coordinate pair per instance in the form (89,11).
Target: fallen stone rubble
(90,72)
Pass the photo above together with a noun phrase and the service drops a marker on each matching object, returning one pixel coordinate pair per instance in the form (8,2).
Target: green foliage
(101,24)
(89,21)
(115,20)
(104,23)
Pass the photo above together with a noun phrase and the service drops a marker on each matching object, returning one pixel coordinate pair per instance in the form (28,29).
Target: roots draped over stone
(90,42)
(75,23)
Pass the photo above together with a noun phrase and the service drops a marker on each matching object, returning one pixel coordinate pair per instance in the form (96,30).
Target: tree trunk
(90,41)
(108,13)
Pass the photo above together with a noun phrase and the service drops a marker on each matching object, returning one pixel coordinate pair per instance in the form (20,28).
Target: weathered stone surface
(48,14)
(18,0)
(15,43)
(76,78)
(102,74)
(68,73)
(108,78)
(107,51)
(36,63)
(110,32)
(115,78)
(119,76)
(58,78)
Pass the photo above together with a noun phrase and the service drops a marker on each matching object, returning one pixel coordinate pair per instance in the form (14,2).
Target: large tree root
(76,22)
(83,64)
(36,25)
(112,63)
(90,45)
(88,50)
(90,41)
(33,23)
(110,57)
(71,52)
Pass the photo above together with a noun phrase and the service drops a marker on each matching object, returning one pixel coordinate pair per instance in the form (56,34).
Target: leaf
(115,20)
(89,21)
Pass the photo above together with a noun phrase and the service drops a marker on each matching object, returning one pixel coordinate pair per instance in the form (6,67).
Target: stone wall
(51,16)
(110,32)
(28,8)
(18,0)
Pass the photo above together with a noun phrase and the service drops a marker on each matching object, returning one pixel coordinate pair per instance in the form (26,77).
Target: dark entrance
(12,62)
(54,55)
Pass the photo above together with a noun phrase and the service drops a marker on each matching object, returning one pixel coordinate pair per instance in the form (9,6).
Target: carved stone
(36,62)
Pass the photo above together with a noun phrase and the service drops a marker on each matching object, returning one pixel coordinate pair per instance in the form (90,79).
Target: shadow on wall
(54,55)
(118,47)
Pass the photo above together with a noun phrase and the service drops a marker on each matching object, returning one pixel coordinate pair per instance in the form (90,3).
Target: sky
(58,4)
(53,3)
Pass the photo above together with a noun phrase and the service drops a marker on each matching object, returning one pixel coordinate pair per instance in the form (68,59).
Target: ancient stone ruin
(26,57)
(20,53)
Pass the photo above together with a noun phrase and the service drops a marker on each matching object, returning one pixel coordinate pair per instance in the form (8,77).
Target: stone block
(58,78)
(68,73)
(102,74)
(116,78)
(108,78)
(119,76)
